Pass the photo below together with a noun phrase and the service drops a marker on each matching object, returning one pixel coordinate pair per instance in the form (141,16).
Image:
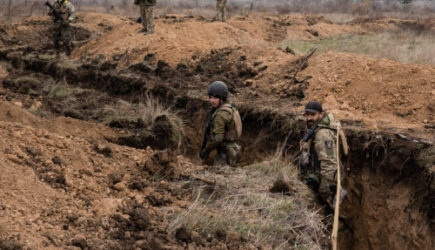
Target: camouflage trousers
(147,15)
(229,154)
(221,14)
(62,36)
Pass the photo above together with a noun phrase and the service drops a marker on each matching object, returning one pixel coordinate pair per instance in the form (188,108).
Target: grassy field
(406,47)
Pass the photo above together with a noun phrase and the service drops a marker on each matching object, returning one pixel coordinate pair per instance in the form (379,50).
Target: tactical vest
(62,9)
(233,130)
(332,126)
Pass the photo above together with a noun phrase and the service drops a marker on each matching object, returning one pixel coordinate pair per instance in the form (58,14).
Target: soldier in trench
(147,15)
(318,159)
(224,127)
(63,14)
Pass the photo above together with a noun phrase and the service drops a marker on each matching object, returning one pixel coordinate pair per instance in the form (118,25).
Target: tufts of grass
(243,204)
(60,91)
(27,80)
(406,47)
(149,111)
(153,109)
(426,157)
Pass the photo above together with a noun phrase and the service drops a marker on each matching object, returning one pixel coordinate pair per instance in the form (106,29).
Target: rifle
(57,14)
(310,131)
(207,131)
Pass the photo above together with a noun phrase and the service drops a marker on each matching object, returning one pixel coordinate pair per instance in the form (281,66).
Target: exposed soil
(86,179)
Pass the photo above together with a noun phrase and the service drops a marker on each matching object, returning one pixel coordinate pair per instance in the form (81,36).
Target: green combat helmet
(218,89)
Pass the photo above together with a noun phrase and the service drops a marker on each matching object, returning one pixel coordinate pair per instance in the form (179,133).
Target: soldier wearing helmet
(223,128)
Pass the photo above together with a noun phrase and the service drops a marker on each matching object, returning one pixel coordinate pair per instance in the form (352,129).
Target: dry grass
(153,109)
(93,105)
(148,111)
(241,202)
(60,91)
(405,46)
(426,157)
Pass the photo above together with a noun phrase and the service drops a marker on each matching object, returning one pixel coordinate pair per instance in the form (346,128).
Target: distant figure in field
(147,16)
(63,14)
(221,12)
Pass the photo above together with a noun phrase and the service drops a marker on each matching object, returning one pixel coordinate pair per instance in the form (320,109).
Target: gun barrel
(49,5)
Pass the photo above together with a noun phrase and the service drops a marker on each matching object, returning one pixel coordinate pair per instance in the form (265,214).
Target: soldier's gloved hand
(329,202)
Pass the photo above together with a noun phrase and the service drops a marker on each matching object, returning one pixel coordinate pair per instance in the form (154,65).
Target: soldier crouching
(224,128)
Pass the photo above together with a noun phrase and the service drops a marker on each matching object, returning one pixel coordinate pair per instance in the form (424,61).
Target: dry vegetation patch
(403,46)
(240,203)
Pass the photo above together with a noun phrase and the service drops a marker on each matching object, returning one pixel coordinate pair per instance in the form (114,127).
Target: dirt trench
(389,178)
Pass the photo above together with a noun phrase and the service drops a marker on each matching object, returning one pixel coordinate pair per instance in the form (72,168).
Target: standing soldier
(147,16)
(63,14)
(221,12)
(224,127)
(318,161)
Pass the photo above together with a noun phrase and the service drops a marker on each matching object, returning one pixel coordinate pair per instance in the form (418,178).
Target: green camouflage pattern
(221,12)
(147,2)
(147,15)
(321,170)
(62,33)
(66,9)
(221,124)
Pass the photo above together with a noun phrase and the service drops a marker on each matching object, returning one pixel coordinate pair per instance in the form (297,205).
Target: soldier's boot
(143,30)
(233,152)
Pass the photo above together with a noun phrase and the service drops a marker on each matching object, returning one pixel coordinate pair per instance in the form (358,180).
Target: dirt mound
(36,33)
(72,189)
(181,37)
(66,188)
(383,93)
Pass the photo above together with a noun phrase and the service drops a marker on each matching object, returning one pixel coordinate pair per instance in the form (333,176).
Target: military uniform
(320,172)
(221,14)
(61,29)
(146,13)
(222,136)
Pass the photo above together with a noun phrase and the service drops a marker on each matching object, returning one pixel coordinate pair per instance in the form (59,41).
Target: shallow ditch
(390,183)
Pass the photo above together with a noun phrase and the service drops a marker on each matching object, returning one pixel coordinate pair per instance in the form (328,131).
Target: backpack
(236,118)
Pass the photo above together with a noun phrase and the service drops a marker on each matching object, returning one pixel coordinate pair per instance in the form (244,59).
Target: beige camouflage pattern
(325,149)
(146,2)
(62,33)
(67,10)
(221,12)
(147,15)
(318,159)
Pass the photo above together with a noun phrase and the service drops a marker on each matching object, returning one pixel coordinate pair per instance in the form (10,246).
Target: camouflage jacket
(146,2)
(323,157)
(66,9)
(222,128)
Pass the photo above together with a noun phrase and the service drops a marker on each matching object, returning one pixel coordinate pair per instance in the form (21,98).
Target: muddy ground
(83,169)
